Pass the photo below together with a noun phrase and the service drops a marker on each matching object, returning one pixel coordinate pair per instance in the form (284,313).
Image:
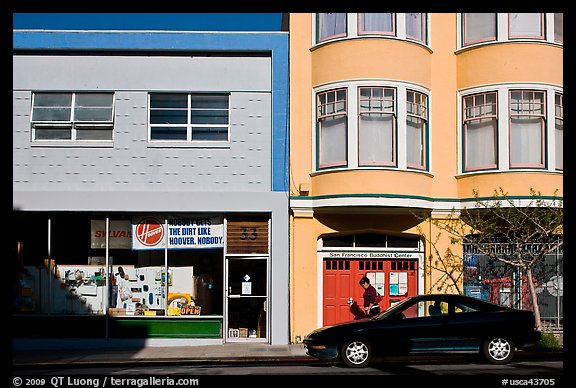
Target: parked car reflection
(428,324)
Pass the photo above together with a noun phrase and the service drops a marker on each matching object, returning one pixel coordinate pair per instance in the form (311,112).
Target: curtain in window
(480,143)
(559,27)
(415,26)
(479,27)
(525,25)
(331,24)
(376,139)
(415,141)
(526,141)
(333,141)
(377,22)
(559,131)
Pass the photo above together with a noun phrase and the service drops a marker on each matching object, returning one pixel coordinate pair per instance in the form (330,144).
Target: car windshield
(400,306)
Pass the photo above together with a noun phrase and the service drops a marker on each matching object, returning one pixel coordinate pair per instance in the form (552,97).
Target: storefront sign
(119,234)
(181,233)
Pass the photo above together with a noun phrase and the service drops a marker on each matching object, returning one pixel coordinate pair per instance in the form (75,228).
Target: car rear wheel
(356,354)
(498,350)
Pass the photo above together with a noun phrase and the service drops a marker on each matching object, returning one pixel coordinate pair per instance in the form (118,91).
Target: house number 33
(249,233)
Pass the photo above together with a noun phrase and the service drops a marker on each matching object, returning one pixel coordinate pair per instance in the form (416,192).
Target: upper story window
(377,23)
(416,27)
(331,25)
(559,27)
(416,129)
(559,129)
(526,25)
(72,116)
(372,125)
(404,26)
(377,126)
(480,131)
(332,128)
(482,28)
(527,128)
(189,117)
(513,127)
(479,27)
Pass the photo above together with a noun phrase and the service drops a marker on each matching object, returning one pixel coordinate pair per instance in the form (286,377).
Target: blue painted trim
(275,43)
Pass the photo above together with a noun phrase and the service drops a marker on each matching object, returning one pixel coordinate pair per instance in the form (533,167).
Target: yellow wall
(510,62)
(372,182)
(515,183)
(346,60)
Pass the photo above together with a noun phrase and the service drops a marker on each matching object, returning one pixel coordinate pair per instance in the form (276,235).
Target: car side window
(426,308)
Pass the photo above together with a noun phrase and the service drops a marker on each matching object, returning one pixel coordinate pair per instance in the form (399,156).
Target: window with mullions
(527,122)
(331,25)
(332,128)
(479,27)
(416,129)
(189,117)
(559,129)
(377,126)
(72,116)
(526,25)
(377,23)
(480,131)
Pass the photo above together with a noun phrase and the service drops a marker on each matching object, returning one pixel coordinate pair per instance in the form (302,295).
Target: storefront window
(63,266)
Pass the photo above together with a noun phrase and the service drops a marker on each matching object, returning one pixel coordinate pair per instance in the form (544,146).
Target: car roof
(458,297)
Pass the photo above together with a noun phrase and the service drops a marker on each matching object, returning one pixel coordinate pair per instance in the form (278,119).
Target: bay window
(479,27)
(331,25)
(480,131)
(559,129)
(526,25)
(377,126)
(416,129)
(332,128)
(416,27)
(527,123)
(377,23)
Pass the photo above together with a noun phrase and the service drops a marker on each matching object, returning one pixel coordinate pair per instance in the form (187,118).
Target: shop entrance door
(246,299)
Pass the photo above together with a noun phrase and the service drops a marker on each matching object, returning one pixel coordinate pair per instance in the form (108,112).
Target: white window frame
(352,87)
(541,116)
(353,31)
(319,120)
(559,117)
(424,149)
(72,124)
(503,32)
(390,112)
(503,158)
(189,125)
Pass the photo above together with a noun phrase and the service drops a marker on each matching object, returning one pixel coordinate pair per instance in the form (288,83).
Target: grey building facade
(149,183)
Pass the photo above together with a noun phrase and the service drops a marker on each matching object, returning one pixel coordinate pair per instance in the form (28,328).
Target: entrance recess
(246,299)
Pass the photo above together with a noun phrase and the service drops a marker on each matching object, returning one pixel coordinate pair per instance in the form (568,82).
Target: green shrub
(548,341)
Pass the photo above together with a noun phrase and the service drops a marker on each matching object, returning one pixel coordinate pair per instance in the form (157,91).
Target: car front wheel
(498,350)
(356,354)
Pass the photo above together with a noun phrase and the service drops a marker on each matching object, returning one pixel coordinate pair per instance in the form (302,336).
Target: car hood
(337,327)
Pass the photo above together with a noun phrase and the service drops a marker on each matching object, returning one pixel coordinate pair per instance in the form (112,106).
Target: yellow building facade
(395,116)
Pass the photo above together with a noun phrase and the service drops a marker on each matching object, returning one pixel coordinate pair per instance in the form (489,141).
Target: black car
(428,324)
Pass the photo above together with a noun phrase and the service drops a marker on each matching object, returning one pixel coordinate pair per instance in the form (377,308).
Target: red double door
(342,294)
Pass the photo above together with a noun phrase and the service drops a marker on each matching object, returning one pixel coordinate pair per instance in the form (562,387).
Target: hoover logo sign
(178,232)
(148,233)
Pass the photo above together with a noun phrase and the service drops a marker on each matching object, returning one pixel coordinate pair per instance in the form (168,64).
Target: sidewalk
(87,352)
